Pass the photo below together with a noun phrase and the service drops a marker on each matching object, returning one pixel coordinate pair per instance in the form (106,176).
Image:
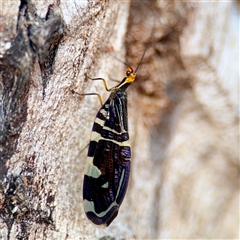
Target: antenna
(141,59)
(120,60)
(148,43)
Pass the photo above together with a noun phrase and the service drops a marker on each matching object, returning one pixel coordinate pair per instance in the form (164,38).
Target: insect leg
(104,82)
(84,94)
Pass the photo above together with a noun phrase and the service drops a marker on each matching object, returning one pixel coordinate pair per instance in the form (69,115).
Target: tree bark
(183,116)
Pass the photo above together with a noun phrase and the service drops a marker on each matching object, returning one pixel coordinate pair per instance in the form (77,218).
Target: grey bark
(183,116)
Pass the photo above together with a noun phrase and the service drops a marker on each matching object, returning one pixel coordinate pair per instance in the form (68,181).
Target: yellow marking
(105,185)
(91,170)
(103,110)
(113,131)
(99,121)
(96,137)
(89,207)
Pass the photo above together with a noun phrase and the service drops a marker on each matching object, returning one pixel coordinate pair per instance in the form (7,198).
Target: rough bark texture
(183,116)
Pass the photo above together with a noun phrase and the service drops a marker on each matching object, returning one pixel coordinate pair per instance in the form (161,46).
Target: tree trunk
(183,116)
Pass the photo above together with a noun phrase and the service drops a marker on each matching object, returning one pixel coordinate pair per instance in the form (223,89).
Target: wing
(108,165)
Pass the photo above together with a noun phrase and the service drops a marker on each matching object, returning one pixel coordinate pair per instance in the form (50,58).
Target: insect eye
(128,73)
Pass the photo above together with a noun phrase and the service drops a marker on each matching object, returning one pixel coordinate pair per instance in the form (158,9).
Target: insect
(109,154)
